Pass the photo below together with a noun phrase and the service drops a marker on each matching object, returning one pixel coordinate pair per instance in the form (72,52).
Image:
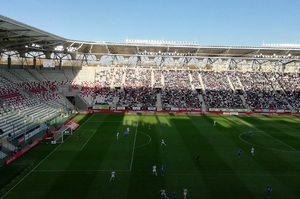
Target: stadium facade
(45,78)
(24,45)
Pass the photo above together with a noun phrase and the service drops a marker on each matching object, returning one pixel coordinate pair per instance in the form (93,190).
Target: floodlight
(59,48)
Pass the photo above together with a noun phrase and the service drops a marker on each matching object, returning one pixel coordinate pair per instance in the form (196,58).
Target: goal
(58,136)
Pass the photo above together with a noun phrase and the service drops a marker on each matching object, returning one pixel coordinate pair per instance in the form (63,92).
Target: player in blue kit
(162,170)
(239,152)
(269,190)
(250,132)
(173,196)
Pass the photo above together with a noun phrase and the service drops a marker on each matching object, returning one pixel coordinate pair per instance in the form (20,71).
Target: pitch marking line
(150,139)
(104,121)
(21,180)
(134,142)
(88,140)
(271,136)
(268,148)
(94,131)
(29,173)
(24,170)
(79,170)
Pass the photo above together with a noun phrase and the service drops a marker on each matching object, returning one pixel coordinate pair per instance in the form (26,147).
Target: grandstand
(44,76)
(46,79)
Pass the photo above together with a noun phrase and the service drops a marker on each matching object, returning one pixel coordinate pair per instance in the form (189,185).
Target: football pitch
(81,167)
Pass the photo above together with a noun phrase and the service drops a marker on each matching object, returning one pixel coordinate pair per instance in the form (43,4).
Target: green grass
(81,168)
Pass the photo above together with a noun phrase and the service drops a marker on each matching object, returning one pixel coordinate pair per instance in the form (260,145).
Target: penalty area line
(271,136)
(268,148)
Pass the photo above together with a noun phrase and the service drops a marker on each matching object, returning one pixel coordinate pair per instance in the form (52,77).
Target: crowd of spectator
(136,87)
(218,92)
(157,78)
(290,84)
(178,90)
(195,79)
(260,93)
(118,77)
(233,78)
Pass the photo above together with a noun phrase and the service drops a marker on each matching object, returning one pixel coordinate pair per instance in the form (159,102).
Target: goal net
(59,135)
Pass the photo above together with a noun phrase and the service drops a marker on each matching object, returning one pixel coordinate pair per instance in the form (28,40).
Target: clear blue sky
(208,22)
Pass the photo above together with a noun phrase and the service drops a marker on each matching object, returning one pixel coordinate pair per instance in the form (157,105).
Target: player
(252,151)
(162,142)
(162,170)
(117,135)
(163,193)
(127,130)
(250,133)
(149,126)
(269,190)
(78,137)
(239,153)
(154,170)
(185,192)
(165,197)
(215,122)
(173,195)
(112,176)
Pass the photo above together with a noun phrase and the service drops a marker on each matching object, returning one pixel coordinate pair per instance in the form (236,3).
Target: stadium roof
(22,39)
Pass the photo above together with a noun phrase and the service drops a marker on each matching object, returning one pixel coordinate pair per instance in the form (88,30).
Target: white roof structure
(19,39)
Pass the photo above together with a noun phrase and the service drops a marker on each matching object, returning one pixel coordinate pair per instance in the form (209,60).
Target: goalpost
(58,136)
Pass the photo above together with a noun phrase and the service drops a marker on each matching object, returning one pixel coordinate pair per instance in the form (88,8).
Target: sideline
(39,163)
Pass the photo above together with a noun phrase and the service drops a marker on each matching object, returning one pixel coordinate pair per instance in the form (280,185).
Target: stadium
(66,106)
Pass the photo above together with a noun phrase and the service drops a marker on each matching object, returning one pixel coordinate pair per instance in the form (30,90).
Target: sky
(207,22)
